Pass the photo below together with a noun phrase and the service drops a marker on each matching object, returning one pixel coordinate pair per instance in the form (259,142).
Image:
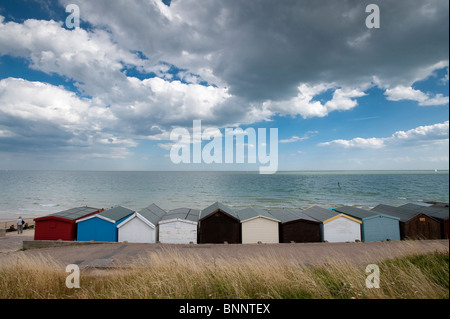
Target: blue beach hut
(102,227)
(375,226)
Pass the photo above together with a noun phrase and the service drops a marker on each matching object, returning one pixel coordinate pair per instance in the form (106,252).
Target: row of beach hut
(219,223)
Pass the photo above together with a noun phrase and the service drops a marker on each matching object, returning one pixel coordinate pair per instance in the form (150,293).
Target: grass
(167,276)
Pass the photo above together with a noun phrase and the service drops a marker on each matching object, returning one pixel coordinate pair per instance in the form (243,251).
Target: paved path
(13,242)
(107,255)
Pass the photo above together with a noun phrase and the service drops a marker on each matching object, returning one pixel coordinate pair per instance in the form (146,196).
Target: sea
(32,194)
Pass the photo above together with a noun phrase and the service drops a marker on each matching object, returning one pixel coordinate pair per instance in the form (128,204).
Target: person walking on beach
(20,223)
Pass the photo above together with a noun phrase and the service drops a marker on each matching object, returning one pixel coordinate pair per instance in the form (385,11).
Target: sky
(106,95)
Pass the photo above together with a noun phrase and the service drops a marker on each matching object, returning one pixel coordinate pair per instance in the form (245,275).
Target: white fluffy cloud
(357,143)
(168,103)
(294,139)
(436,132)
(420,135)
(89,58)
(408,93)
(96,64)
(36,101)
(42,116)
(303,104)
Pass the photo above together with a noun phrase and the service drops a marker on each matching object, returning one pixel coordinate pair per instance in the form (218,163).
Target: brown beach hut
(218,224)
(62,225)
(296,226)
(436,211)
(412,225)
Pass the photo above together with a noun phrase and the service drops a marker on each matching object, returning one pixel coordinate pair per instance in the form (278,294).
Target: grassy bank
(174,276)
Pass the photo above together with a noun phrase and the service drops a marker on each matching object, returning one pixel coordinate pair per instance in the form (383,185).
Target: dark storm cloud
(264,49)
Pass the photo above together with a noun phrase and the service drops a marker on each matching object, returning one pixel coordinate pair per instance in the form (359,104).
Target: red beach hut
(61,225)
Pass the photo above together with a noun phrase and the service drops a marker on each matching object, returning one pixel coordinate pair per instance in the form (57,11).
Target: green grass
(174,276)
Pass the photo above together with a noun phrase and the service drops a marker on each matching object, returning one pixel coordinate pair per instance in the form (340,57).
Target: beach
(6,224)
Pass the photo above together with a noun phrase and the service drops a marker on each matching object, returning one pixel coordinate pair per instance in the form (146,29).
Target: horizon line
(224,171)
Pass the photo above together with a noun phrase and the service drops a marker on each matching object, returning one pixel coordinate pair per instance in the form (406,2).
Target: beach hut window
(422,219)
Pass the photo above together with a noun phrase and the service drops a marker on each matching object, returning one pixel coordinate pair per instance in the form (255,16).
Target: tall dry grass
(172,275)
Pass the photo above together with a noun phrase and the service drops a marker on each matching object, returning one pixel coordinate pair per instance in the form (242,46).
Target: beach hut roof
(73,213)
(287,215)
(438,212)
(355,212)
(194,215)
(400,212)
(250,213)
(152,213)
(319,213)
(183,214)
(440,215)
(362,213)
(325,215)
(218,206)
(115,214)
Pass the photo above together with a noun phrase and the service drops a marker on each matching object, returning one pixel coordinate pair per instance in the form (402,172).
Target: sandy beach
(6,224)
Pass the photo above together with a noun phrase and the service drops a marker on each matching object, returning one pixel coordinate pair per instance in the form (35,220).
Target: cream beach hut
(258,226)
(336,227)
(179,226)
(142,226)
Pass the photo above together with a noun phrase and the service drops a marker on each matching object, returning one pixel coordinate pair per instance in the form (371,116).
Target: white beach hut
(258,226)
(335,227)
(142,226)
(179,226)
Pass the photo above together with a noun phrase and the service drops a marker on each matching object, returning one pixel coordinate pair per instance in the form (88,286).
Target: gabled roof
(194,215)
(325,215)
(218,206)
(111,215)
(355,212)
(251,213)
(72,214)
(362,214)
(400,212)
(182,214)
(417,208)
(319,213)
(152,213)
(285,215)
(117,213)
(439,215)
(438,212)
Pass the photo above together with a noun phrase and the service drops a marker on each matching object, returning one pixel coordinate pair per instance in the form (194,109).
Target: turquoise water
(38,193)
